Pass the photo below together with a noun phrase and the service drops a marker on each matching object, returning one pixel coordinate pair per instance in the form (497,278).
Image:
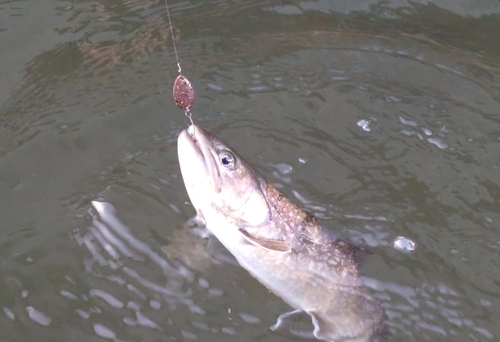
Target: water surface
(379,117)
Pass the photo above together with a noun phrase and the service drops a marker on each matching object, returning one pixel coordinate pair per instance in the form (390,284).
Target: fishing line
(173,39)
(183,91)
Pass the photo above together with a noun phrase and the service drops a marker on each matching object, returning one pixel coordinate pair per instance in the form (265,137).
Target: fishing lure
(184,95)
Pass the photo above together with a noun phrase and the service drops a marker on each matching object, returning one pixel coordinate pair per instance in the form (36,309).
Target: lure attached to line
(184,95)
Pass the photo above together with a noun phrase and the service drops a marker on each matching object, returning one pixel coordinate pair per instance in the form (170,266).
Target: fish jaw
(197,168)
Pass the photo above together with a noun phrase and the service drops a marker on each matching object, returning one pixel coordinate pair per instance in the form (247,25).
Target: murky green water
(382,118)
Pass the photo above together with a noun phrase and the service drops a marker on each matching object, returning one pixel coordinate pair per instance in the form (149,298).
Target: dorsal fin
(270,244)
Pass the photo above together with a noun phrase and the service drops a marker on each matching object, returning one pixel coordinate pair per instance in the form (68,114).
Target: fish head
(219,181)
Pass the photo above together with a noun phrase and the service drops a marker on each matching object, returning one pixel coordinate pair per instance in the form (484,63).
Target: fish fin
(343,328)
(322,330)
(273,245)
(289,322)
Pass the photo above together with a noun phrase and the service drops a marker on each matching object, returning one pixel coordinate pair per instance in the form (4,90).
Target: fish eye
(227,159)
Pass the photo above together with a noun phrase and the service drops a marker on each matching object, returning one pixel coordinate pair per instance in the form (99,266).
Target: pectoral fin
(270,244)
(297,323)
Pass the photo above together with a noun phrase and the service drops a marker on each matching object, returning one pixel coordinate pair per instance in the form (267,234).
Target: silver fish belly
(281,245)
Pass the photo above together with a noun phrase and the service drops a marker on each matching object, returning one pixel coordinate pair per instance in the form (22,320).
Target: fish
(277,242)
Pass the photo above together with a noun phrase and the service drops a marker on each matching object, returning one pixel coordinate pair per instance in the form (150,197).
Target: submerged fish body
(277,242)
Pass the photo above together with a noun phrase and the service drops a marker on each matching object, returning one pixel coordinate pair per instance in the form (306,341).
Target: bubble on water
(365,125)
(248,318)
(154,186)
(404,244)
(189,335)
(104,331)
(174,208)
(130,321)
(155,304)
(38,316)
(145,321)
(204,283)
(284,179)
(196,309)
(439,143)
(68,294)
(214,292)
(427,131)
(133,305)
(407,122)
(201,325)
(228,330)
(260,88)
(485,302)
(284,169)
(83,314)
(110,299)
(8,312)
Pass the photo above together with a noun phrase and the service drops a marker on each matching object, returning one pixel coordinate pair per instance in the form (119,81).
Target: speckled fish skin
(276,241)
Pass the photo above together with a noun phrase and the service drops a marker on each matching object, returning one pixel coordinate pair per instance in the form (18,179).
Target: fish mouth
(195,143)
(190,135)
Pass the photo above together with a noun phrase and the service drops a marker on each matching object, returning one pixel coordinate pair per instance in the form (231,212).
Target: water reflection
(111,244)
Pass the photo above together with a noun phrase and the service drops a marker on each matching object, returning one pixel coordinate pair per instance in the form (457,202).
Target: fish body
(281,245)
